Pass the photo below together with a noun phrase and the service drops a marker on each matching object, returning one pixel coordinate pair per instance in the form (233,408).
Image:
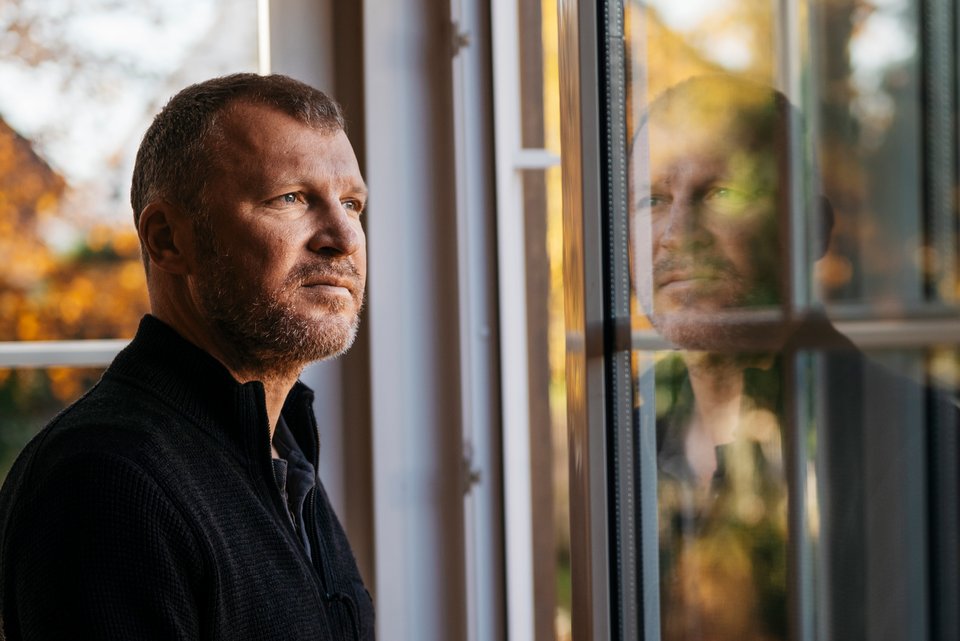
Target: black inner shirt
(295,477)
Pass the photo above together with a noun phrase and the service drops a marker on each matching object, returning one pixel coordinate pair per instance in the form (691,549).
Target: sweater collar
(166,365)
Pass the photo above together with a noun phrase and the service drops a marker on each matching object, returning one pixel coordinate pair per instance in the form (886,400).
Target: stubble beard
(267,334)
(734,312)
(741,325)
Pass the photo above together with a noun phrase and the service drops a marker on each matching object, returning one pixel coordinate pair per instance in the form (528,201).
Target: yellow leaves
(31,390)
(28,327)
(833,271)
(132,277)
(126,243)
(123,242)
(46,297)
(76,300)
(47,201)
(99,238)
(66,383)
(71,309)
(713,589)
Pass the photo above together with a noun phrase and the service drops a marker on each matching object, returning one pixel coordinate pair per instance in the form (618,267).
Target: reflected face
(281,252)
(704,221)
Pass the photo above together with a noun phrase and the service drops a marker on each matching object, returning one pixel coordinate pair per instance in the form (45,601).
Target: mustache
(711,265)
(333,270)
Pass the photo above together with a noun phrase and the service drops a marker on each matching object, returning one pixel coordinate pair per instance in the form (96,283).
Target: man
(179,498)
(710,191)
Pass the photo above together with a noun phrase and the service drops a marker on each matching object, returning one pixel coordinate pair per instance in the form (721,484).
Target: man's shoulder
(114,425)
(112,415)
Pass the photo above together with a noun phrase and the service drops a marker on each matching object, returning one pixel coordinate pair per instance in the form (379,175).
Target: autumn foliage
(93,289)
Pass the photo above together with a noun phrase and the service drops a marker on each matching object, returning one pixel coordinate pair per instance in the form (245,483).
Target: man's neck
(276,387)
(277,383)
(717,384)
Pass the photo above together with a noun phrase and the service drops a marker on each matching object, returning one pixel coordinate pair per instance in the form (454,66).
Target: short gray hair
(175,155)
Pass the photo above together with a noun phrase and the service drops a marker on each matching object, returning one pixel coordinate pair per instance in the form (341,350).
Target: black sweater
(148,510)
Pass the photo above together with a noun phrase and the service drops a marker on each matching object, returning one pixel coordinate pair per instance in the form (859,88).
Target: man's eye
(288,199)
(722,193)
(353,205)
(728,199)
(651,202)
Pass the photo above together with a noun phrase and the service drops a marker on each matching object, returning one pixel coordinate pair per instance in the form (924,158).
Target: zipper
(320,566)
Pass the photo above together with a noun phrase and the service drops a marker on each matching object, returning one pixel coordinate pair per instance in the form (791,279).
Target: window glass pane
(787,176)
(29,398)
(856,75)
(820,497)
(81,80)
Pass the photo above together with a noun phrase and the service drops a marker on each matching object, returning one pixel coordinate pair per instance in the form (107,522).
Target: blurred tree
(94,290)
(81,79)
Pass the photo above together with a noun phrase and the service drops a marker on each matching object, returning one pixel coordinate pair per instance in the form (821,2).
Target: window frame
(592,63)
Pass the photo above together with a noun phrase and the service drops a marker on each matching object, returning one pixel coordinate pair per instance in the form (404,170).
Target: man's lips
(332,279)
(342,283)
(678,278)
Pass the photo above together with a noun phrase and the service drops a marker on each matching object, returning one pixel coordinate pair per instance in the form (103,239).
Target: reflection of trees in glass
(859,88)
(723,549)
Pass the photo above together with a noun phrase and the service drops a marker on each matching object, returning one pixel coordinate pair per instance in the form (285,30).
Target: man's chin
(324,338)
(287,344)
(743,330)
(335,342)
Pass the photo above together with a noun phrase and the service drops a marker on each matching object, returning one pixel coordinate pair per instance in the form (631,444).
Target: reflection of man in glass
(705,183)
(707,195)
(711,167)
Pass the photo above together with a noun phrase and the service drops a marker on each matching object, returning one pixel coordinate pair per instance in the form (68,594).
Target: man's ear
(825,220)
(166,237)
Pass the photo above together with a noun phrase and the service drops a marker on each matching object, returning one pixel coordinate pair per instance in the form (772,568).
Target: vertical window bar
(622,499)
(646,444)
(583,314)
(645,477)
(263,37)
(483,545)
(511,264)
(789,80)
(794,57)
(944,524)
(801,606)
(939,144)
(938,60)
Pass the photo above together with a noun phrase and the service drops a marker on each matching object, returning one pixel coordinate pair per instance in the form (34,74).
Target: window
(79,90)
(762,318)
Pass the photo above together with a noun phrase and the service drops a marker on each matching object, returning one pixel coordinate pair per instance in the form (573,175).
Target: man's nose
(683,225)
(338,230)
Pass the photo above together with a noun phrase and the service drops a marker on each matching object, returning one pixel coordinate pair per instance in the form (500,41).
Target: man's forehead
(664,143)
(718,137)
(721,106)
(279,140)
(248,124)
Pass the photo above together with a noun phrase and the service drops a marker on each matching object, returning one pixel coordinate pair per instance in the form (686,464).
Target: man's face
(281,253)
(704,223)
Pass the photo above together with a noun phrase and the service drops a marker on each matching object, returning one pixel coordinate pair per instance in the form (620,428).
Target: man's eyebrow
(360,189)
